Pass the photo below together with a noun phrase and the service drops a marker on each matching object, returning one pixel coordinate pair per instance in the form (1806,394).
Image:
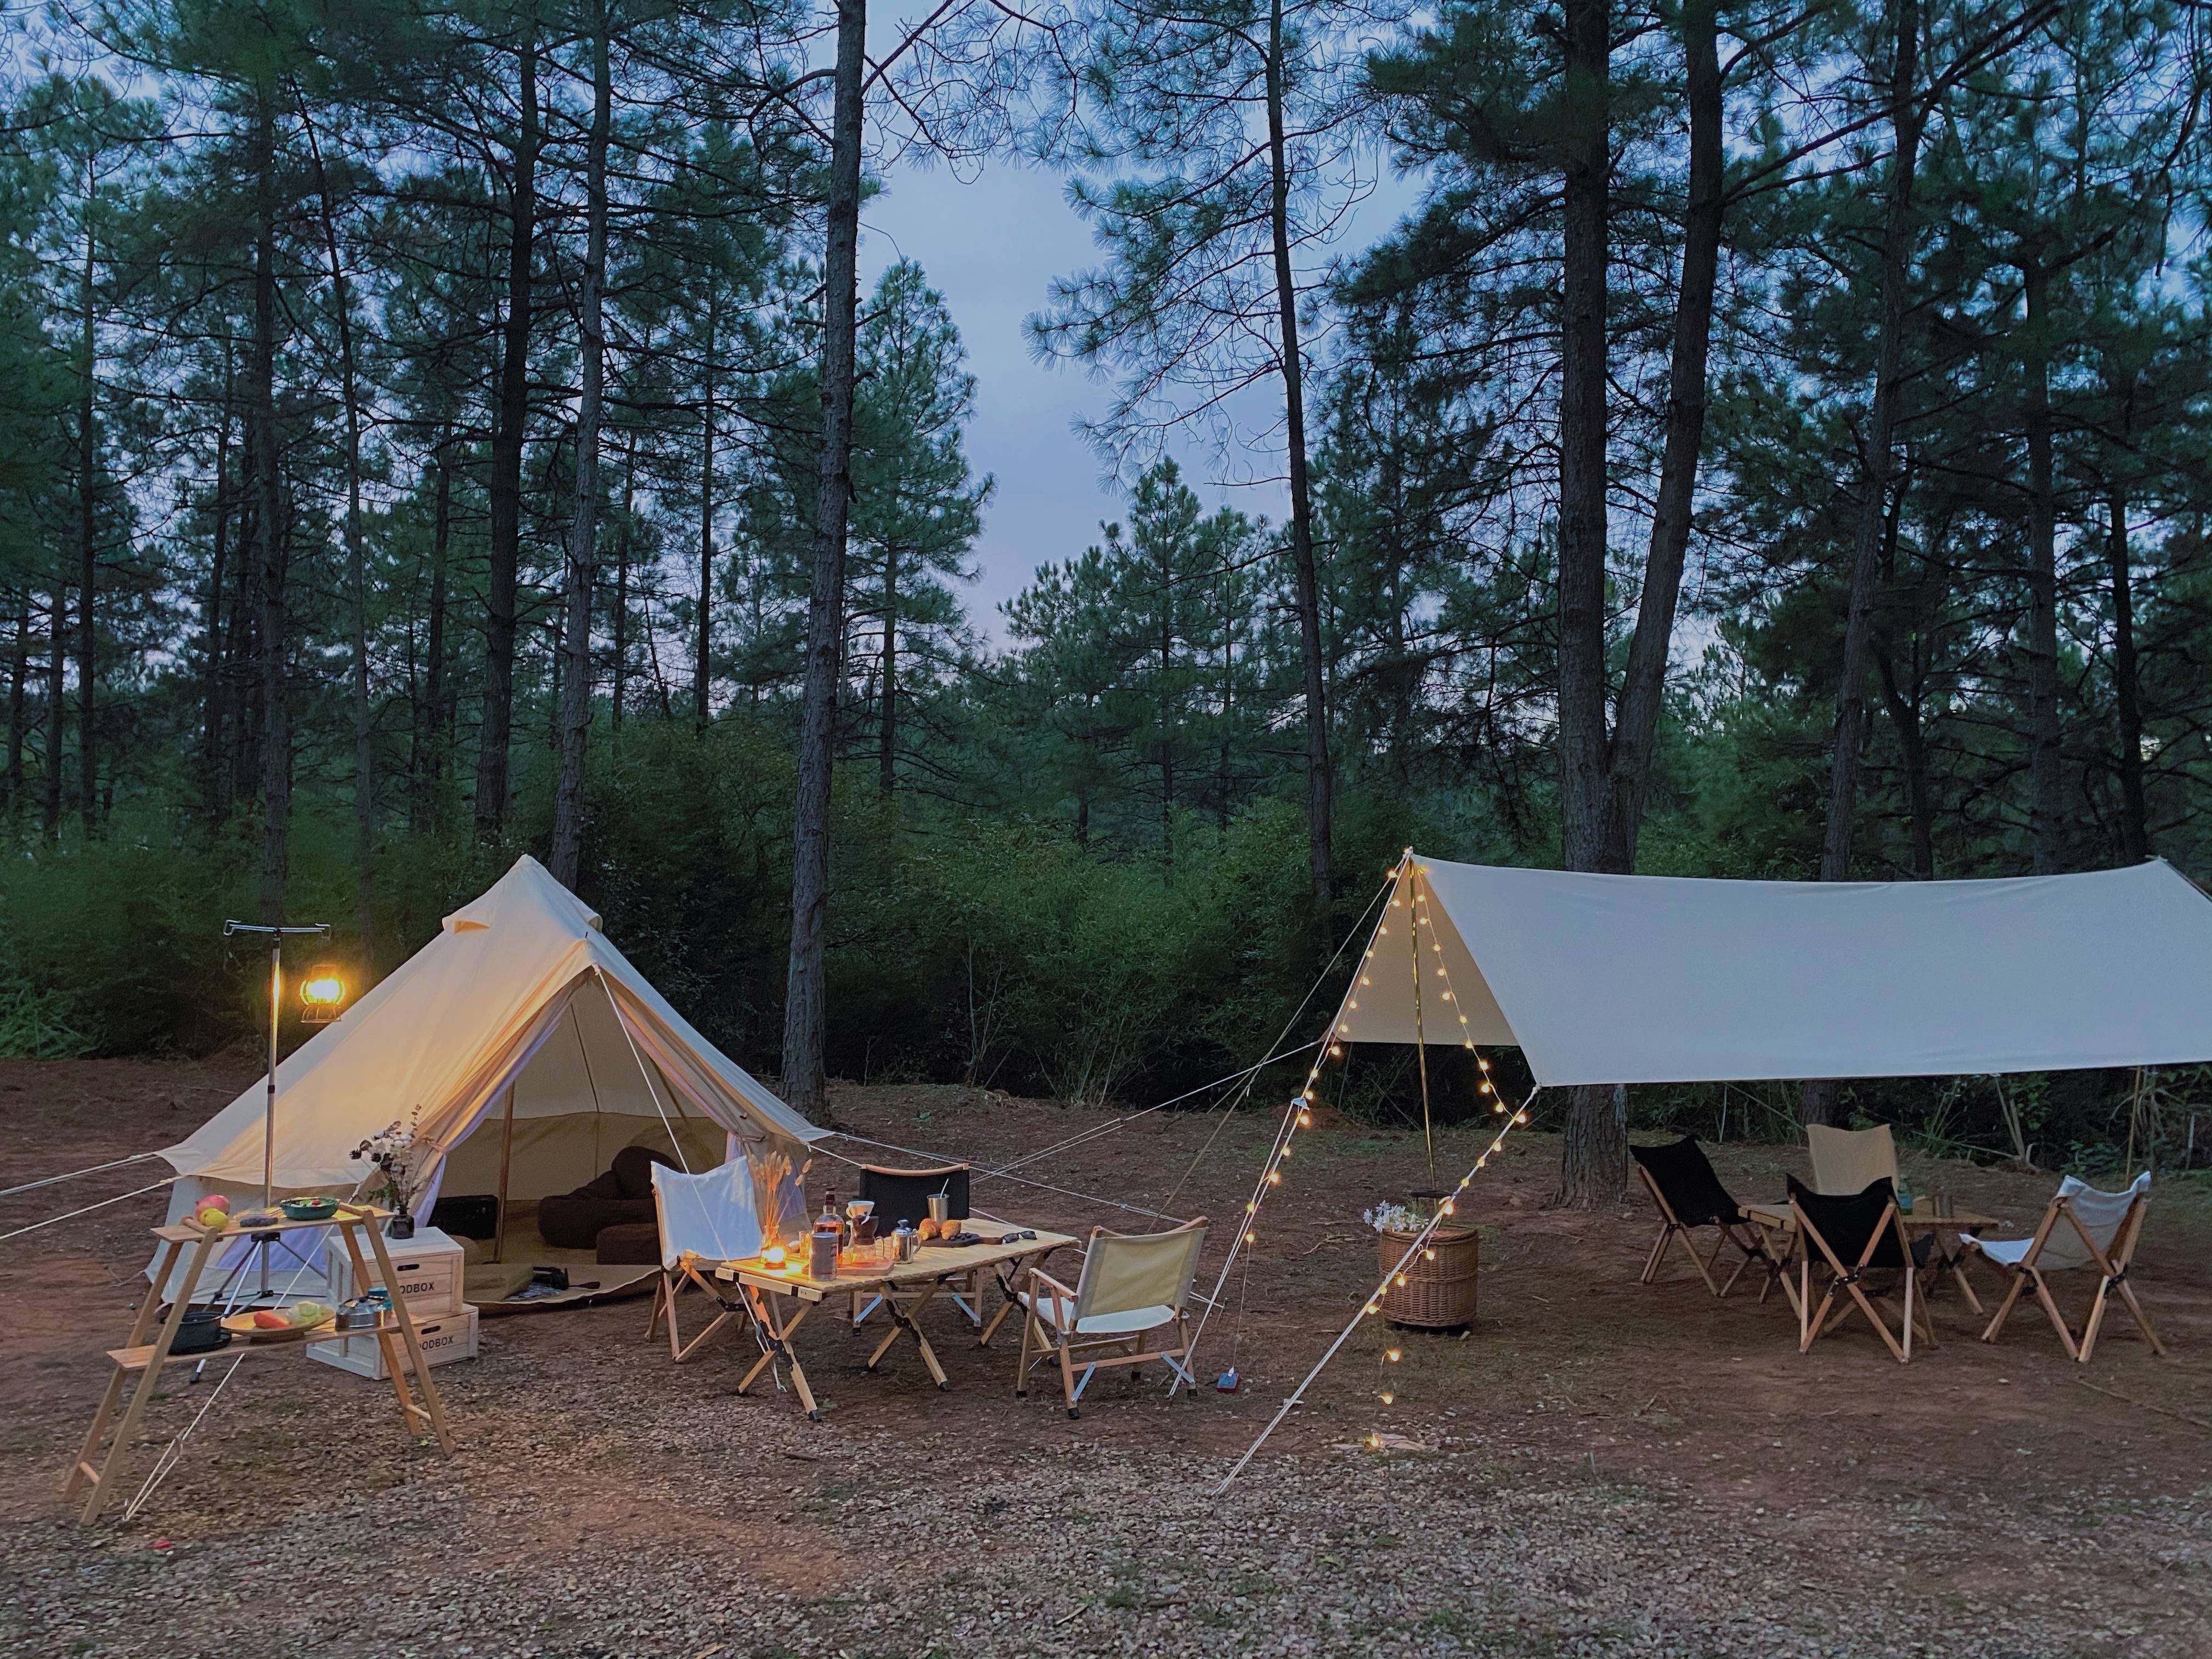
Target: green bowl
(308,1209)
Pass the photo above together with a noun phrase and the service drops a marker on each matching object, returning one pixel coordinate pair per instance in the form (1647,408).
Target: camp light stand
(264,1241)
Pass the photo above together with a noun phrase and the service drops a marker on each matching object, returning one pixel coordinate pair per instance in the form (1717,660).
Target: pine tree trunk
(275,707)
(2046,781)
(1821,1102)
(1644,692)
(2127,688)
(56,710)
(1305,584)
(212,668)
(887,763)
(622,590)
(364,728)
(430,787)
(583,530)
(1593,1158)
(504,489)
(88,496)
(19,673)
(702,659)
(806,1015)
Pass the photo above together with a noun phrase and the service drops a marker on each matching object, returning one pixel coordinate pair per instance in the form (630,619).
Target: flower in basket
(1400,1217)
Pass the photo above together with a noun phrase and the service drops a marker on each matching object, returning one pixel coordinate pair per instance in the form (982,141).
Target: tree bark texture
(269,532)
(87,497)
(1593,1157)
(887,720)
(805,1016)
(583,528)
(2046,781)
(1305,575)
(1821,1102)
(504,488)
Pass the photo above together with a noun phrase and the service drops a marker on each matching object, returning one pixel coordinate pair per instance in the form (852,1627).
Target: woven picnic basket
(1438,1292)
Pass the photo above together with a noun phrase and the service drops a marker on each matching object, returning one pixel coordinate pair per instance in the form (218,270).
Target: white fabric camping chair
(705,1219)
(1848,1161)
(2083,1228)
(1132,1284)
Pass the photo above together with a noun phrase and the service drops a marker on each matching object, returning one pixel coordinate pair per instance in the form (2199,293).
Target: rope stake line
(55,1181)
(71,1215)
(1284,1128)
(1372,1306)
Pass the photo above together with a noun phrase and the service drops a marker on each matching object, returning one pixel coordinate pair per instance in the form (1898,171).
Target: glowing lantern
(322,994)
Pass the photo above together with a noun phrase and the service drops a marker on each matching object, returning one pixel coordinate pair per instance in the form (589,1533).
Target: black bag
(468,1215)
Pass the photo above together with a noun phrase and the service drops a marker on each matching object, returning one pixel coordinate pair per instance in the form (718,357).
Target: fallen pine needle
(803,1457)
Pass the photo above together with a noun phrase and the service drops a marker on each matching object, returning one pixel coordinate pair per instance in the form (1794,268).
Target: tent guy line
(1371,1308)
(90,1168)
(71,1215)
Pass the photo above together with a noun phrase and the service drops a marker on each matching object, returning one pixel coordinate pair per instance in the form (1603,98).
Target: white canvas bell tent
(522,1049)
(1657,979)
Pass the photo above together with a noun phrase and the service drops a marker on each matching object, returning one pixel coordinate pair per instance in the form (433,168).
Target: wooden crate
(444,1341)
(430,1268)
(1438,1293)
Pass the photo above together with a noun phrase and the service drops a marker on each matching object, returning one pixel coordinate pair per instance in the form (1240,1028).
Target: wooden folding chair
(2083,1228)
(1132,1285)
(704,1220)
(1855,1236)
(1689,1194)
(1848,1161)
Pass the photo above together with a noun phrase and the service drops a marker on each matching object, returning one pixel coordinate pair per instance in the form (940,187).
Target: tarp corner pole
(506,1157)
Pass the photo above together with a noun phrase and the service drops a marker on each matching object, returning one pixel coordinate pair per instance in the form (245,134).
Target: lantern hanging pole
(276,936)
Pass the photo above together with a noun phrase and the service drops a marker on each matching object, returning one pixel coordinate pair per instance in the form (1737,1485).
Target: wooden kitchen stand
(147,1359)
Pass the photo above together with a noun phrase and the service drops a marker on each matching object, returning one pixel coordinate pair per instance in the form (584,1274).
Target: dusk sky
(991,245)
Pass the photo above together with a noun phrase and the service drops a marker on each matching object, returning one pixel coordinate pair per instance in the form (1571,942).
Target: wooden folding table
(396,1335)
(779,1299)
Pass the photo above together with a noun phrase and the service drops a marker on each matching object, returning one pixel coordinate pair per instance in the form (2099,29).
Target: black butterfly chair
(903,1196)
(1854,1236)
(1689,1197)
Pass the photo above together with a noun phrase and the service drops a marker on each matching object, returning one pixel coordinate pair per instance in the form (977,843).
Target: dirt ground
(1599,1468)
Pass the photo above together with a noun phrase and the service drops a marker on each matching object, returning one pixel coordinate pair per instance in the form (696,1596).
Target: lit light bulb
(1274,1177)
(1428,1256)
(1521,1117)
(1401,1279)
(1304,1118)
(1445,1207)
(1388,1397)
(1336,1048)
(1394,1356)
(1251,1238)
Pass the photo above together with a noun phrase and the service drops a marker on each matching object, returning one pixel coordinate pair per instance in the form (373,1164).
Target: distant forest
(1773,444)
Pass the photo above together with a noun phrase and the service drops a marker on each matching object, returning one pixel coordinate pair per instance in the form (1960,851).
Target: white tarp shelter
(524,1051)
(1658,979)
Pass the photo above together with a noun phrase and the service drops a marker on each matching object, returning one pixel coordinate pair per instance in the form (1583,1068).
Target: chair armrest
(1063,1299)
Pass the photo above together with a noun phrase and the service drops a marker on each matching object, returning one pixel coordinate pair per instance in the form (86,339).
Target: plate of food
(280,1324)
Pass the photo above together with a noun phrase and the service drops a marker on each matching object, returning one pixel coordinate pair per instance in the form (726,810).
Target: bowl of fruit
(302,1319)
(308,1209)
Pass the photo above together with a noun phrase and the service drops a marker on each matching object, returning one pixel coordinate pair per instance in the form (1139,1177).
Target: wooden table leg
(432,1410)
(907,1318)
(117,1454)
(82,1469)
(775,1343)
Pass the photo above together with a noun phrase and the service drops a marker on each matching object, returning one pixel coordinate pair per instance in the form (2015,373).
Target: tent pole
(1420,1038)
(505,1155)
